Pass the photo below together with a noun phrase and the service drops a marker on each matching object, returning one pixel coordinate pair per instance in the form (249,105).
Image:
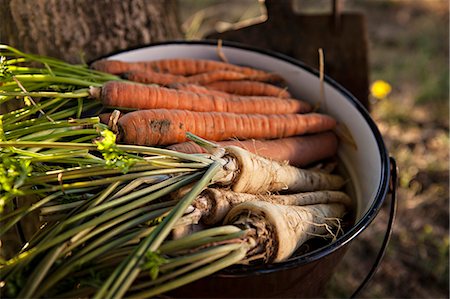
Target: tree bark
(83,30)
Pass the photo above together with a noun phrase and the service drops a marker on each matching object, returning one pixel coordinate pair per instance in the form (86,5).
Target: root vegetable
(141,96)
(256,174)
(185,67)
(214,203)
(151,77)
(165,127)
(202,78)
(249,88)
(199,89)
(279,230)
(298,151)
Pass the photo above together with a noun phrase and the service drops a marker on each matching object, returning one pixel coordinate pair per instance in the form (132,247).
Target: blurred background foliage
(409,51)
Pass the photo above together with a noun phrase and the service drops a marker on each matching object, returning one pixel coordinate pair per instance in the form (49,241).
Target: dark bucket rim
(383,187)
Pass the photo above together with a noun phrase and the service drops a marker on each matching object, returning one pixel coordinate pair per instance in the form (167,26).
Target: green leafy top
(113,156)
(13,174)
(153,261)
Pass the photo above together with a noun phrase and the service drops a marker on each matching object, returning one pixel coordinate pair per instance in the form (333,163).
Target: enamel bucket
(368,165)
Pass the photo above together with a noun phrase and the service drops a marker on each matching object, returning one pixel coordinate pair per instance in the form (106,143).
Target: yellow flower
(380,89)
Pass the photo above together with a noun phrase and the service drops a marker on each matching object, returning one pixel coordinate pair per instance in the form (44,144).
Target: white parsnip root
(215,203)
(250,173)
(252,177)
(279,230)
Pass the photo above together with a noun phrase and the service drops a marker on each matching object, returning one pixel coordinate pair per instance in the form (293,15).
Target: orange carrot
(185,67)
(249,88)
(111,119)
(299,151)
(164,127)
(105,118)
(116,67)
(202,78)
(141,96)
(151,77)
(199,89)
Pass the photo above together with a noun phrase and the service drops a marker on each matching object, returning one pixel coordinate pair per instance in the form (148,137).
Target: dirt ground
(409,50)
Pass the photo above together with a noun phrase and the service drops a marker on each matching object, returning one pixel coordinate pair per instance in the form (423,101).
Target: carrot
(249,88)
(165,127)
(141,96)
(152,77)
(105,118)
(214,204)
(202,78)
(278,230)
(185,67)
(111,119)
(117,67)
(196,88)
(299,151)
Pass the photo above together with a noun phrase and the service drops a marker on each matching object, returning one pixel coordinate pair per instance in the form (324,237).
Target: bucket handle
(393,183)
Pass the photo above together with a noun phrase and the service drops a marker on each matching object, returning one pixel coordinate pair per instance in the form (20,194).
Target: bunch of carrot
(110,208)
(218,101)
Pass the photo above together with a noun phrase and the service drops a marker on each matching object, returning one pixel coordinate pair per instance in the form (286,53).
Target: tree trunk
(83,30)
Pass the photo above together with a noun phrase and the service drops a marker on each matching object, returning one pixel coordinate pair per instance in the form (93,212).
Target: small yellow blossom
(380,89)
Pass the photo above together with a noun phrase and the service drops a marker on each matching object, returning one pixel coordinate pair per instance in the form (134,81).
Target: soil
(416,263)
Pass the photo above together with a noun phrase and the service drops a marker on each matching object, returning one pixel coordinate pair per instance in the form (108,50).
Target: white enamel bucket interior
(367,165)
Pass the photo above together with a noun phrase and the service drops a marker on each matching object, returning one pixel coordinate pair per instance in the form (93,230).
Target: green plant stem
(89,203)
(4,228)
(136,183)
(151,212)
(56,79)
(24,256)
(81,93)
(56,63)
(196,256)
(108,180)
(15,134)
(60,207)
(42,241)
(192,261)
(199,237)
(39,273)
(58,115)
(135,199)
(127,148)
(124,275)
(17,115)
(87,171)
(95,249)
(230,259)
(59,134)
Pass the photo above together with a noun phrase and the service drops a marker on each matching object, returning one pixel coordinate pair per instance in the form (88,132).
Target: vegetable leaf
(13,173)
(113,156)
(153,261)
